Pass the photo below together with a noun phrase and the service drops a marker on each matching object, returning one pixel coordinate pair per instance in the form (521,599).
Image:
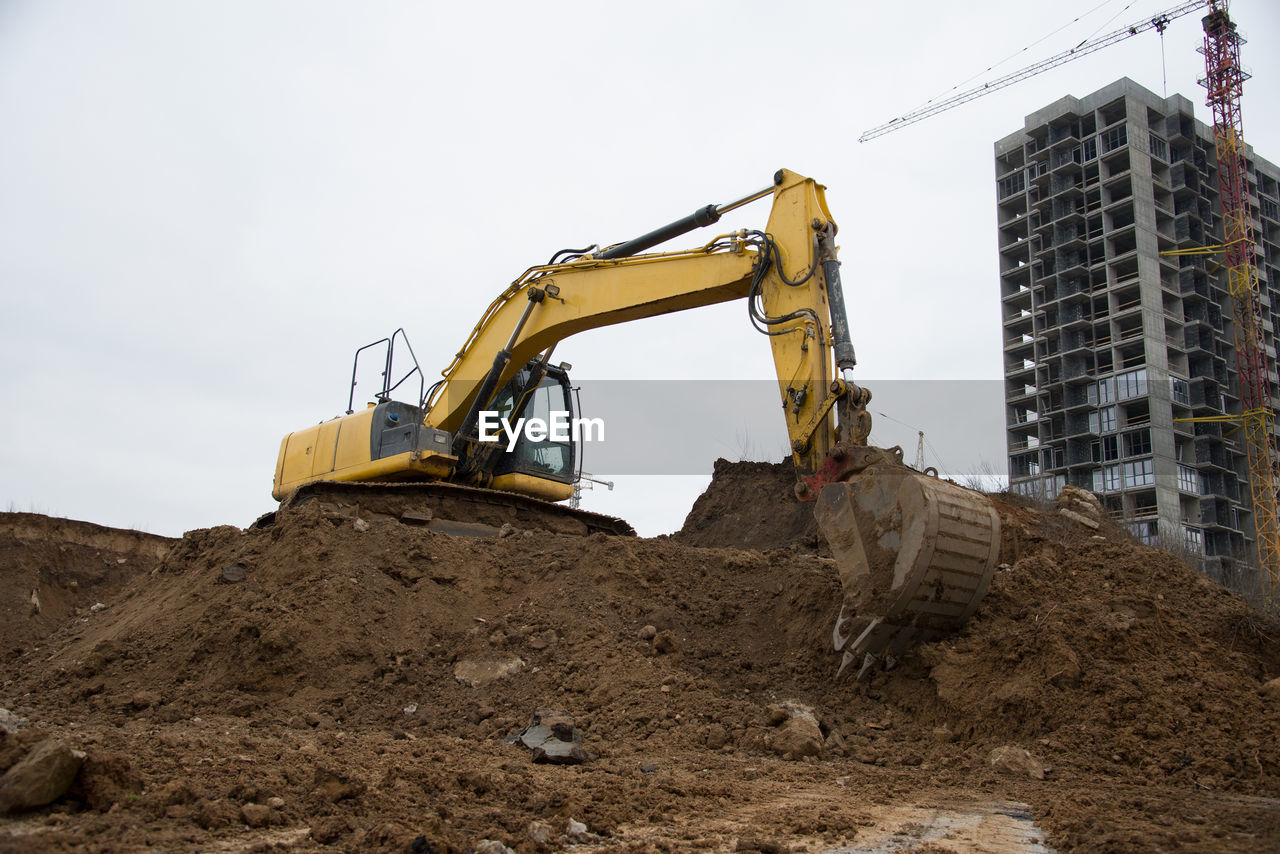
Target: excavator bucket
(915,556)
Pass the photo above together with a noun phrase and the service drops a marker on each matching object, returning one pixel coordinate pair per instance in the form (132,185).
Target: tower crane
(1223,81)
(1157,22)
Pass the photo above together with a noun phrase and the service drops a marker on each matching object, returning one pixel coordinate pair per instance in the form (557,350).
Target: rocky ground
(326,685)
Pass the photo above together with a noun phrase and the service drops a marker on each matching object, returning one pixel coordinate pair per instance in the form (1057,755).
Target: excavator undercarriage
(450,508)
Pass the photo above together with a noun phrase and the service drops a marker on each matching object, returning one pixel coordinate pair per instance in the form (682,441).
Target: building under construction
(1119,344)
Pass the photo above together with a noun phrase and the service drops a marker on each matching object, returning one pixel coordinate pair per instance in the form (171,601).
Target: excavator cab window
(550,405)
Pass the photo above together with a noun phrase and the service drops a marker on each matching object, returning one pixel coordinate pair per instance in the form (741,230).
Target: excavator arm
(788,272)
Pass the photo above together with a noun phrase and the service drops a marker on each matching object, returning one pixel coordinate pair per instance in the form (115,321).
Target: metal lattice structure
(1224,82)
(1157,22)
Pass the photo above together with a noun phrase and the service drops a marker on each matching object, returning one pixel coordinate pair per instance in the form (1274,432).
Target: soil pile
(751,505)
(355,684)
(52,570)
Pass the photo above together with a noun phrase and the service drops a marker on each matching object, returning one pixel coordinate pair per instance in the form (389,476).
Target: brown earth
(52,570)
(301,688)
(751,505)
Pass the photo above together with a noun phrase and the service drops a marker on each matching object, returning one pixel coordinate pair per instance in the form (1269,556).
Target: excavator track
(447,507)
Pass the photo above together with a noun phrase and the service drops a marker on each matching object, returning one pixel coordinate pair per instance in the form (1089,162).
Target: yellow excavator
(915,553)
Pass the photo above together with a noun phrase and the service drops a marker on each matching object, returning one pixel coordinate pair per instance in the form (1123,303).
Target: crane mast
(1224,81)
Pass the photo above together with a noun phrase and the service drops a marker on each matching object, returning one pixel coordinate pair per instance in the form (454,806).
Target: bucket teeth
(838,637)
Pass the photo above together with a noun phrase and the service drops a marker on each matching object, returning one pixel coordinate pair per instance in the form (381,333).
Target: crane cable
(1084,48)
(936,455)
(1023,50)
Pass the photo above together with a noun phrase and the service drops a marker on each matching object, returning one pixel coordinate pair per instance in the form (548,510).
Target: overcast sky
(206,207)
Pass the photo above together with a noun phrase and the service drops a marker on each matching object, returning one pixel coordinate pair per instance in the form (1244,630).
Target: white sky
(206,207)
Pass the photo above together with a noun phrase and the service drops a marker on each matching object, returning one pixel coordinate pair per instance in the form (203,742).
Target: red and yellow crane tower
(1224,82)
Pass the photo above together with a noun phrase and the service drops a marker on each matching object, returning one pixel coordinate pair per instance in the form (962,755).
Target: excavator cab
(543,460)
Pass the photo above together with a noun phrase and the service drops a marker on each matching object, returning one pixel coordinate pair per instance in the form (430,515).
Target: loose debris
(274,710)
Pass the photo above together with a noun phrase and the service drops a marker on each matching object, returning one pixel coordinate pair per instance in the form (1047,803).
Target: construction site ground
(327,684)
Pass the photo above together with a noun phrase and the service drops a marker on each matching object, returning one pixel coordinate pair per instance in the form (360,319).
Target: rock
(834,743)
(506,530)
(478,672)
(577,831)
(1271,690)
(553,738)
(329,830)
(943,734)
(556,752)
(411,709)
(648,768)
(40,777)
(538,832)
(491,846)
(360,525)
(144,700)
(1017,762)
(35,602)
(215,814)
(97,607)
(10,723)
(648,633)
(1092,524)
(778,715)
(665,642)
(1081,502)
(256,815)
(716,736)
(233,572)
(799,735)
(275,803)
(334,786)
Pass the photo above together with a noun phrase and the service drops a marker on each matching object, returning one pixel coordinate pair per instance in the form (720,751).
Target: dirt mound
(322,682)
(751,505)
(53,569)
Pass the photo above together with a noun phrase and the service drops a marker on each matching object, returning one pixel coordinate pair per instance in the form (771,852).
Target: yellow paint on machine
(535,487)
(340,450)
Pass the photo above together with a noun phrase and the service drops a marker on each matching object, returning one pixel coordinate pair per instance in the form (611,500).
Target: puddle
(986,828)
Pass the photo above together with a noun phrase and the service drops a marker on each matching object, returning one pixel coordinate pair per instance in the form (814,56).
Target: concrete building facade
(1111,344)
